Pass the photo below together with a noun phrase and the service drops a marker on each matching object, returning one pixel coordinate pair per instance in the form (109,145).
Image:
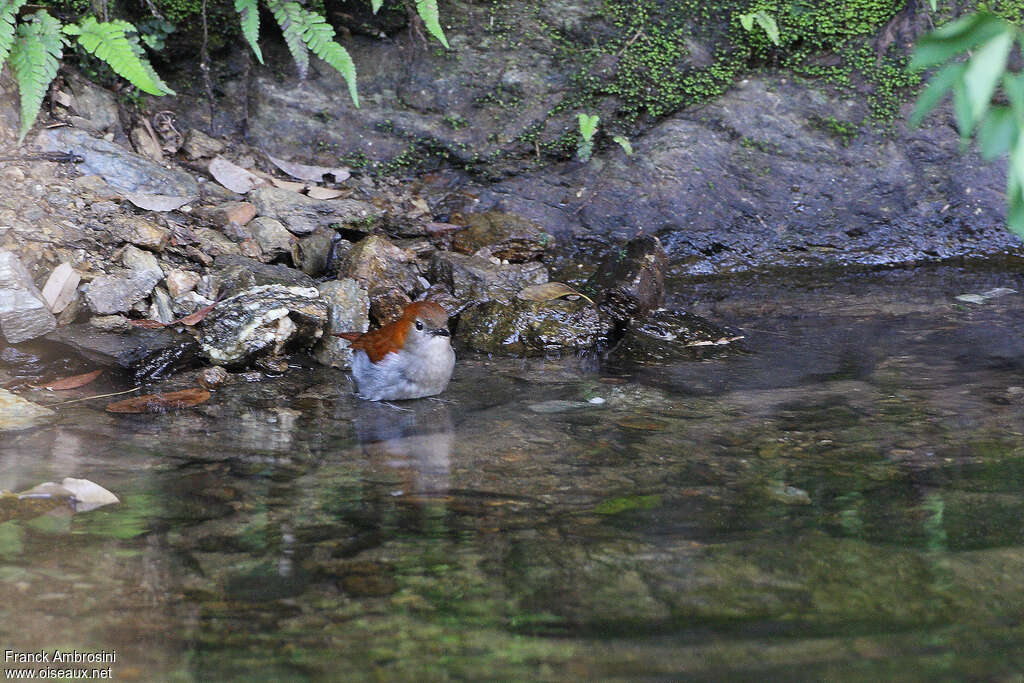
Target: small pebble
(597,400)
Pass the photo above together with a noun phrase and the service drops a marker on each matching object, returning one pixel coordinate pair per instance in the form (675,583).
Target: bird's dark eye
(419,324)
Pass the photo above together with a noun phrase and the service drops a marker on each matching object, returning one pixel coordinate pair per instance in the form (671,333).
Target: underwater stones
(23,312)
(670,336)
(532,328)
(18,413)
(262,321)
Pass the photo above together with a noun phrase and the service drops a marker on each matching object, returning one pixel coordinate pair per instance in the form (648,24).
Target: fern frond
(249,14)
(427,10)
(8,11)
(290,17)
(140,52)
(375,5)
(319,36)
(35,57)
(107,40)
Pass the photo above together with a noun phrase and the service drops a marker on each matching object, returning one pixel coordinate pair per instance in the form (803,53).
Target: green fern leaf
(427,10)
(249,14)
(35,57)
(140,53)
(375,4)
(8,11)
(291,17)
(319,36)
(107,40)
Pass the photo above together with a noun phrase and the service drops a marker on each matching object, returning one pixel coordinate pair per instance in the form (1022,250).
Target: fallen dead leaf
(549,291)
(232,176)
(159,403)
(317,192)
(289,185)
(72,382)
(148,324)
(157,202)
(306,172)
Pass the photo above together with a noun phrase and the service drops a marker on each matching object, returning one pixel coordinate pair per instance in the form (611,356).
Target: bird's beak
(441,332)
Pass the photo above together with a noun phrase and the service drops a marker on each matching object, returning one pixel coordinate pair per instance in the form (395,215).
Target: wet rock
(117,293)
(531,328)
(18,413)
(273,238)
(387,303)
(213,377)
(237,273)
(23,311)
(181,281)
(507,236)
(375,261)
(162,308)
(669,336)
(114,349)
(198,145)
(473,279)
(239,213)
(120,168)
(630,281)
(262,321)
(302,215)
(140,232)
(312,253)
(348,306)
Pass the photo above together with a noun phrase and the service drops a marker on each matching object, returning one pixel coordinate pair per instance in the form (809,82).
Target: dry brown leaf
(305,172)
(158,403)
(197,317)
(157,202)
(549,291)
(317,192)
(72,382)
(289,185)
(232,176)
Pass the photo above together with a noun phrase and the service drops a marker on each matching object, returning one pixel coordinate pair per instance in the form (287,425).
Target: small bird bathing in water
(411,357)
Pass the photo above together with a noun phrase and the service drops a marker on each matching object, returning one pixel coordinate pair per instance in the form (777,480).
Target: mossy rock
(532,328)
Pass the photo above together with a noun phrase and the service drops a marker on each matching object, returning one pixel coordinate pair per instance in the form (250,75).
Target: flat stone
(61,287)
(507,236)
(24,314)
(120,168)
(237,273)
(116,349)
(474,279)
(302,215)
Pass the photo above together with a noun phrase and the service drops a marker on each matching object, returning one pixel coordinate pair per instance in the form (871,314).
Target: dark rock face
(532,328)
(631,280)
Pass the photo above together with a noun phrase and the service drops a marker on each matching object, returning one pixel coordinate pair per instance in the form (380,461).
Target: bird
(411,357)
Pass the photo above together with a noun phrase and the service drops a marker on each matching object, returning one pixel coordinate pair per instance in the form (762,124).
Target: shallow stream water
(841,497)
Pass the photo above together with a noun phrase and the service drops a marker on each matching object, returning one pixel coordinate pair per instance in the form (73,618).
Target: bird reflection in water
(414,440)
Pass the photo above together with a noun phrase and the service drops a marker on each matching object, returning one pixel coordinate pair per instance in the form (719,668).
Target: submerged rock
(507,236)
(18,413)
(671,336)
(302,215)
(630,281)
(474,279)
(262,321)
(127,350)
(23,312)
(532,328)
